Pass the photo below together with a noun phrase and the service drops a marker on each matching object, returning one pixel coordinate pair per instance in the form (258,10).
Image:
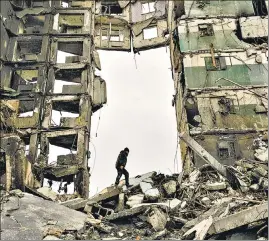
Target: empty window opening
(206,29)
(67,106)
(24,80)
(33,24)
(26,108)
(260,7)
(58,85)
(55,151)
(57,115)
(111,7)
(148,7)
(69,52)
(150,33)
(28,49)
(216,63)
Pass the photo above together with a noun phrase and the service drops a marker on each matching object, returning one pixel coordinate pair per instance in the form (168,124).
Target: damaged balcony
(69,168)
(21,113)
(73,78)
(23,79)
(25,49)
(29,22)
(151,33)
(112,33)
(72,22)
(65,105)
(78,50)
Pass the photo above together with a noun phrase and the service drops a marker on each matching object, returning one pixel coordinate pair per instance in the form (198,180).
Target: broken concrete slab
(32,214)
(135,181)
(239,219)
(126,213)
(145,186)
(106,193)
(215,186)
(173,204)
(47,191)
(200,229)
(135,199)
(120,206)
(157,218)
(75,204)
(262,155)
(152,194)
(170,187)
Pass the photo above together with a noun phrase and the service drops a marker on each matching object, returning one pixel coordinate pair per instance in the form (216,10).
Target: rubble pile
(177,207)
(201,205)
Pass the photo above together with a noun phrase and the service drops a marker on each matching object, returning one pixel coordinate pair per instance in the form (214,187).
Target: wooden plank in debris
(207,157)
(239,219)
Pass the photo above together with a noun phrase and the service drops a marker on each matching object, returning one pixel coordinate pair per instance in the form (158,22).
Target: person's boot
(128,185)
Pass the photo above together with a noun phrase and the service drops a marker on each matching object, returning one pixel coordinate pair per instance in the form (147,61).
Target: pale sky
(138,115)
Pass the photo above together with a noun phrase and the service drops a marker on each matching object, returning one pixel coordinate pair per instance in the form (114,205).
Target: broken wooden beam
(206,156)
(239,219)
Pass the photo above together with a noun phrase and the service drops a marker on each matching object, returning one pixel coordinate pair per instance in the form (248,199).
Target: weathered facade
(34,35)
(219,55)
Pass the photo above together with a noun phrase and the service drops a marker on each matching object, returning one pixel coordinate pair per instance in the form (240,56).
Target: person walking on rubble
(120,166)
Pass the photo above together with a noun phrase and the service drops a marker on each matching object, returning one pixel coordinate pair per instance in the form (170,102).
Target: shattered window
(150,33)
(206,30)
(148,7)
(218,64)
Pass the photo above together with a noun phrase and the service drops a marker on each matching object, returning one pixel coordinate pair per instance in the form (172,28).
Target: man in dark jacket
(120,166)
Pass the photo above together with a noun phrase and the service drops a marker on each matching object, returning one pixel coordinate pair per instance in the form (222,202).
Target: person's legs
(126,174)
(118,176)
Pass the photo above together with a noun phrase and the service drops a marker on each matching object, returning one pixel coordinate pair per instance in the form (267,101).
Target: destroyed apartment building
(219,63)
(37,82)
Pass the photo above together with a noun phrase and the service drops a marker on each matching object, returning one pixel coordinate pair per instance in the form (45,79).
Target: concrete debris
(206,200)
(134,200)
(47,191)
(215,186)
(157,218)
(170,187)
(152,194)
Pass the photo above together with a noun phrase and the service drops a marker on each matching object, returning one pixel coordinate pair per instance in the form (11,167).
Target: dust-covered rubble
(201,205)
